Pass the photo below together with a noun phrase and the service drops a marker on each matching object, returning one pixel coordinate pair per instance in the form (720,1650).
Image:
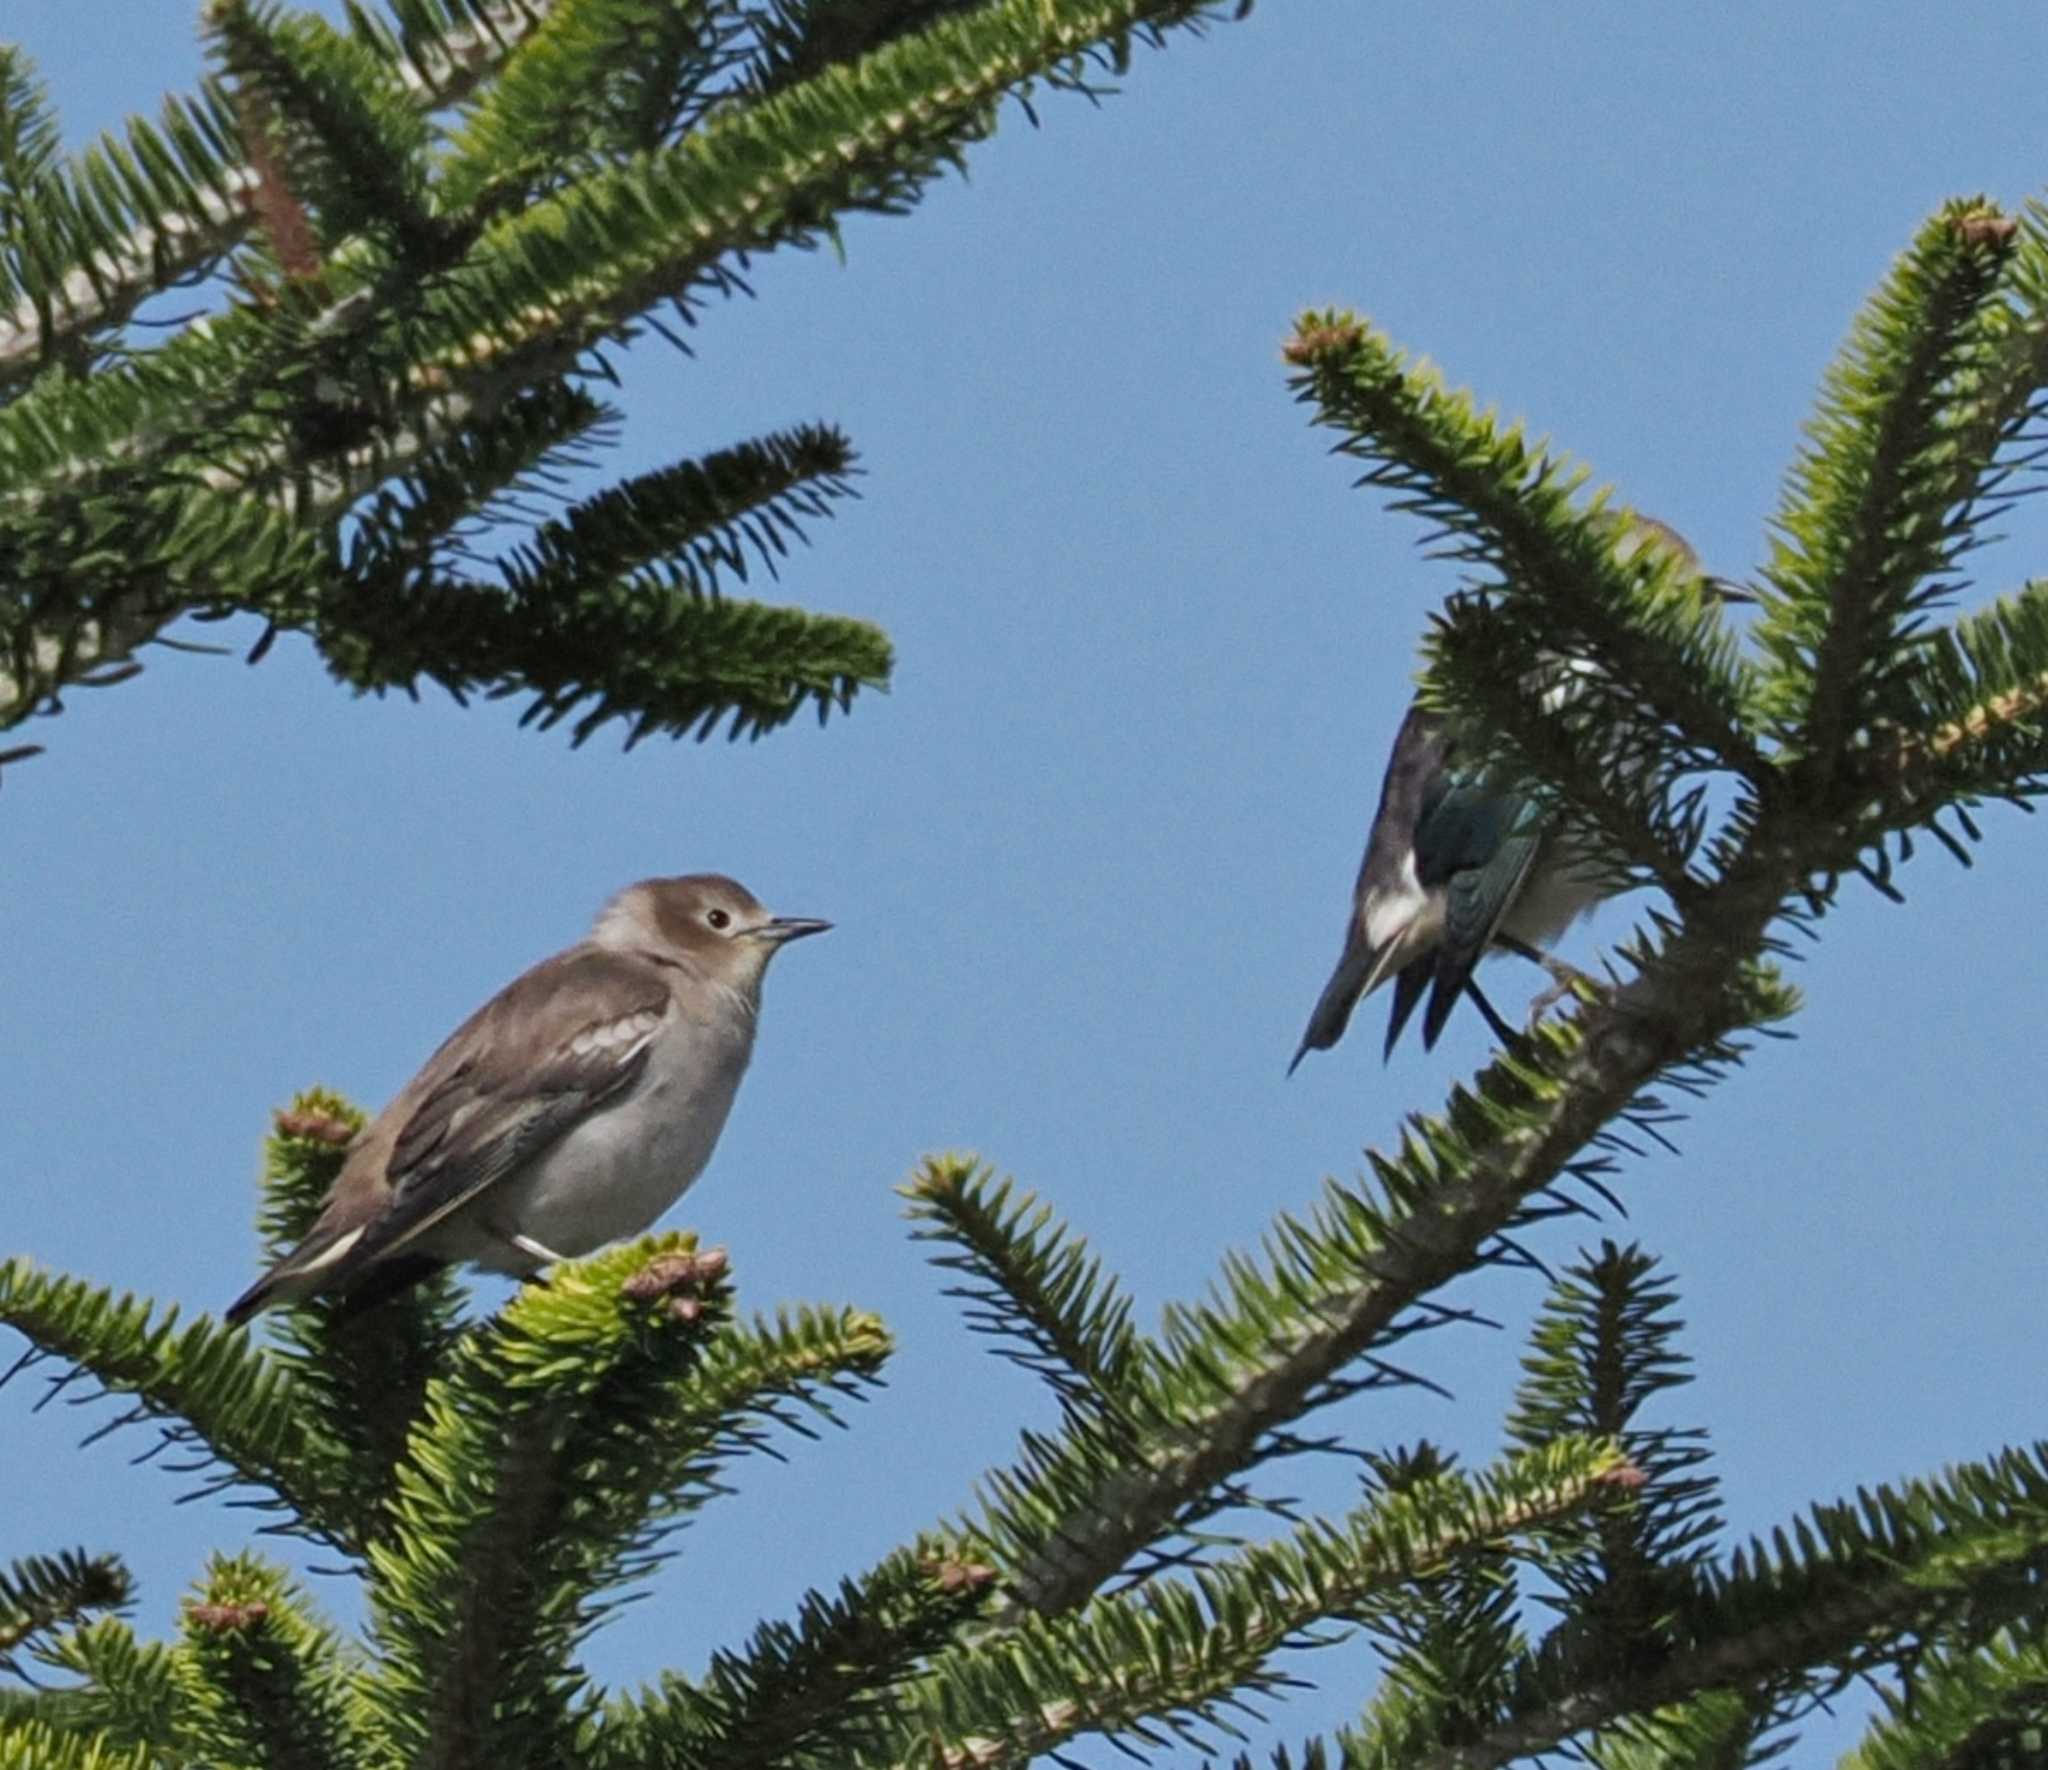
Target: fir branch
(1980,688)
(130,1694)
(1604,1348)
(475,474)
(533,294)
(30,136)
(1169,1658)
(33,214)
(264,1682)
(1235,1372)
(697,519)
(1721,1730)
(359,1377)
(794,40)
(1666,668)
(594,81)
(124,221)
(233,1405)
(40,1594)
(35,1745)
(2000,422)
(541,287)
(90,578)
(664,658)
(1847,1592)
(1965,1710)
(552,1451)
(354,143)
(1878,507)
(1028,1281)
(570,271)
(616,601)
(1452,1636)
(448,49)
(817,1691)
(174,201)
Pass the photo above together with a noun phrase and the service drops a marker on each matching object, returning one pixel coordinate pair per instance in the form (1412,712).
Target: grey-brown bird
(570,1110)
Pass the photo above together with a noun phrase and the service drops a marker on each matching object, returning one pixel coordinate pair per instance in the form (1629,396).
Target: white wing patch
(618,1039)
(327,1256)
(1407,915)
(1401,924)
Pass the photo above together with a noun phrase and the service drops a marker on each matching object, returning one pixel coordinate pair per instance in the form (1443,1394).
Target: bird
(1450,868)
(572,1109)
(1456,866)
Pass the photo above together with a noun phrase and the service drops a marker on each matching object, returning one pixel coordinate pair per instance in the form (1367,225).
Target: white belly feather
(1560,889)
(615,1172)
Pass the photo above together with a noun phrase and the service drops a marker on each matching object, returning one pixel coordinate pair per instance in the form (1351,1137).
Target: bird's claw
(1565,980)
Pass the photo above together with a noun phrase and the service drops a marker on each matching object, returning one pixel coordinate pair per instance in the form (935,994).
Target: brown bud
(667,1274)
(960,1576)
(315,1127)
(225,1619)
(1985,227)
(1312,343)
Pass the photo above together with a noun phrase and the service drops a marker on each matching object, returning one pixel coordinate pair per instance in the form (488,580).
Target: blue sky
(1089,858)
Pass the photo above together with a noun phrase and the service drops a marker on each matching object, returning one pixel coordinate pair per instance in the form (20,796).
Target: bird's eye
(718,918)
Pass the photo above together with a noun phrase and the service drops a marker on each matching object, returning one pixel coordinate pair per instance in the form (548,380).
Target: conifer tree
(423,244)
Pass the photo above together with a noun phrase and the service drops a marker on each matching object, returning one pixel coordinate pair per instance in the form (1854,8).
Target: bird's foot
(1565,980)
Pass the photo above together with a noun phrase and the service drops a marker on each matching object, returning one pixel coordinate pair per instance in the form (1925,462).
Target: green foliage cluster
(430,222)
(428,232)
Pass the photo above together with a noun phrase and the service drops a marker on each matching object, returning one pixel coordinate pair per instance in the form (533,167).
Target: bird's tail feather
(325,1268)
(1357,971)
(383,1280)
(309,1267)
(1409,983)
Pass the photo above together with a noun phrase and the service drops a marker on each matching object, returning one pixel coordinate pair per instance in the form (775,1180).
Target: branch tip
(952,1575)
(1984,227)
(315,1127)
(227,1619)
(669,1279)
(1321,341)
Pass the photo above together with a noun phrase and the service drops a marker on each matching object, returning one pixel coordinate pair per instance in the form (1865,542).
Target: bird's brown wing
(549,1049)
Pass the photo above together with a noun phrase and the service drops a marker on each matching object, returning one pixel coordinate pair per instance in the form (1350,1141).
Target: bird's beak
(787,928)
(1727,590)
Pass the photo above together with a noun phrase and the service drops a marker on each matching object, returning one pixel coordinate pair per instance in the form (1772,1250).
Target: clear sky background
(1090,858)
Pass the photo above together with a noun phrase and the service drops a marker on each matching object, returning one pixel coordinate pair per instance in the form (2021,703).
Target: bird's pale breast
(615,1172)
(1561,888)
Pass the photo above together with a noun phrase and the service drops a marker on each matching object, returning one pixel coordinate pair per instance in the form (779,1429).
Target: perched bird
(1450,868)
(1455,867)
(571,1109)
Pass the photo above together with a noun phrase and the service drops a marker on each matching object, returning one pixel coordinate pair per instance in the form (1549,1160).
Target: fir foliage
(40,1594)
(499,1485)
(422,234)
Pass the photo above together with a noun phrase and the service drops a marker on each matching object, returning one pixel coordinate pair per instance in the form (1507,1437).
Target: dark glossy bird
(1456,867)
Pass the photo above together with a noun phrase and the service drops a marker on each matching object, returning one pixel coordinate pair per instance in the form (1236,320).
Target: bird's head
(1648,532)
(712,923)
